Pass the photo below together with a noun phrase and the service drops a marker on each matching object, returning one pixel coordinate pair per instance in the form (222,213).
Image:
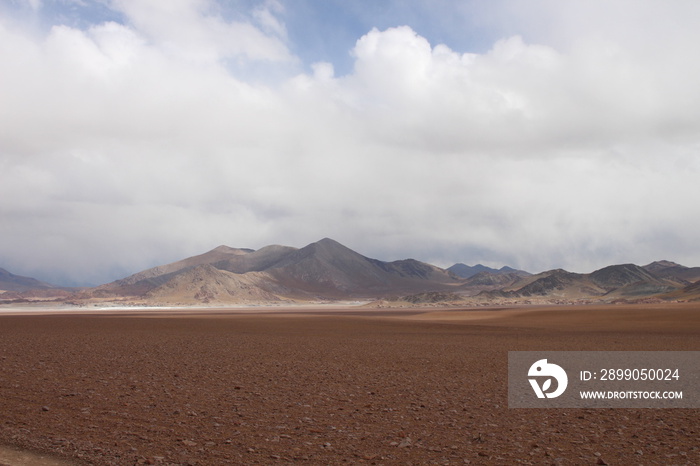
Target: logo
(546,371)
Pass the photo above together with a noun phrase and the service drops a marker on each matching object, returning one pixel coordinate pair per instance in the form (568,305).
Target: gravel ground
(242,389)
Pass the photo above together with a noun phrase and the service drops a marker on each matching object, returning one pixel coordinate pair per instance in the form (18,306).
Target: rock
(405,443)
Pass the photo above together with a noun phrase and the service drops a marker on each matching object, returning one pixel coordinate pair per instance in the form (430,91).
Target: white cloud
(266,16)
(192,29)
(126,145)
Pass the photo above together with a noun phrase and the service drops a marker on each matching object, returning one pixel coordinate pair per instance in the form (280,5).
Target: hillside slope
(205,284)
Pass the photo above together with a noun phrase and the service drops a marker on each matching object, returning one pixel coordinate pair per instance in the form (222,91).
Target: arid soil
(326,387)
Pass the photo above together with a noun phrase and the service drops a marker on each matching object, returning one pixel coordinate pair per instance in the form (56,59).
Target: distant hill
(625,281)
(12,282)
(632,280)
(17,288)
(485,281)
(466,271)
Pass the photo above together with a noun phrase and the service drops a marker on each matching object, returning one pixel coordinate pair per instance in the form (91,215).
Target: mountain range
(324,270)
(327,270)
(625,281)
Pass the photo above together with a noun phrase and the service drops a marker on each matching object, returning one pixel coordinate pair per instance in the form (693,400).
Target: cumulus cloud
(124,145)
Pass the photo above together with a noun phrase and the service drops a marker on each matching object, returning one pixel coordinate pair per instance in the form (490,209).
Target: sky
(538,134)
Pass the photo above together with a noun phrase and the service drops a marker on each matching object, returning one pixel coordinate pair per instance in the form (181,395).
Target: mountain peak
(328,242)
(658,266)
(229,250)
(673,271)
(327,247)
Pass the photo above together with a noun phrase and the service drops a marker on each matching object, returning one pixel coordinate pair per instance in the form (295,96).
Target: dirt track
(326,389)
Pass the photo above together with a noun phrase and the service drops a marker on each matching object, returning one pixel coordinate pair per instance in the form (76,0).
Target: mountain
(668,269)
(16,289)
(632,280)
(233,260)
(557,283)
(205,284)
(12,282)
(467,271)
(219,254)
(322,270)
(659,267)
(328,268)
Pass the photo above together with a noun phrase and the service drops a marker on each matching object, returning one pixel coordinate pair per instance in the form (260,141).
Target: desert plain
(323,385)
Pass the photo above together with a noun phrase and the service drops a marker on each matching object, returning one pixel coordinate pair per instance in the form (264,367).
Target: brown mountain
(632,280)
(223,258)
(322,270)
(205,284)
(156,276)
(668,269)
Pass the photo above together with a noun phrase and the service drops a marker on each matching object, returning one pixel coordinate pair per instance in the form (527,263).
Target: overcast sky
(537,134)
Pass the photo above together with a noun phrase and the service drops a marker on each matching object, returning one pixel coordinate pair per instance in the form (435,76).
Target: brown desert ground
(323,386)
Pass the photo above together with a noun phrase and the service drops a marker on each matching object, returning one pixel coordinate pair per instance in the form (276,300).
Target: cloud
(34,4)
(193,29)
(266,16)
(125,145)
